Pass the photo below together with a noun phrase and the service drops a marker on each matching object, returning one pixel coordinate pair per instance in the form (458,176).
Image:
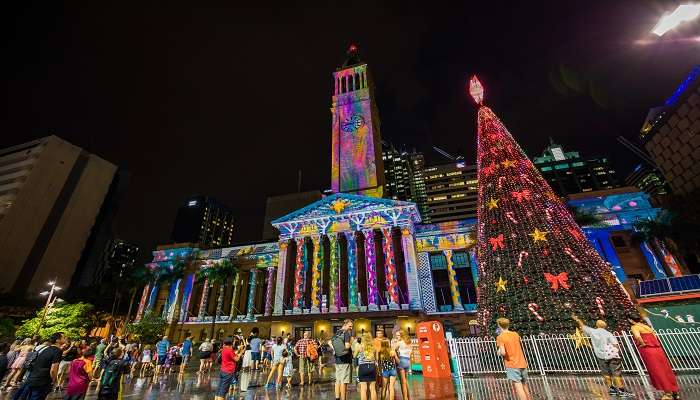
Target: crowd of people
(32,368)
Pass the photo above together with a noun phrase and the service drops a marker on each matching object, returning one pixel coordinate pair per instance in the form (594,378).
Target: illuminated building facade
(648,180)
(356,153)
(671,135)
(203,220)
(569,172)
(451,191)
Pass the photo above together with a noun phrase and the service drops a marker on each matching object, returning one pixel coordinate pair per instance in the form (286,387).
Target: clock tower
(356,161)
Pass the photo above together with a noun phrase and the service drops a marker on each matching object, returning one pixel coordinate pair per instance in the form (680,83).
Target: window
(438,261)
(460,259)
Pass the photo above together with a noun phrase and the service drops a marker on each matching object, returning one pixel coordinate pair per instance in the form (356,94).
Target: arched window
(357,82)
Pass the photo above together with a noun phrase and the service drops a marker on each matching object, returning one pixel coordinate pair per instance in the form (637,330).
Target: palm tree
(168,275)
(584,218)
(135,280)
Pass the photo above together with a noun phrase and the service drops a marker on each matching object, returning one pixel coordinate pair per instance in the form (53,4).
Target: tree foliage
(149,329)
(71,319)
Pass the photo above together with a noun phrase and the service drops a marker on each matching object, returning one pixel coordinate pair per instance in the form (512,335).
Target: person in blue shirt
(186,353)
(255,343)
(162,348)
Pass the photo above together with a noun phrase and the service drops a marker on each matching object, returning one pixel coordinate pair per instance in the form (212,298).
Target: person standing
(403,349)
(255,344)
(43,371)
(186,353)
(3,360)
(276,366)
(79,374)
(69,354)
(387,363)
(366,367)
(303,350)
(205,350)
(110,385)
(229,358)
(607,353)
(341,343)
(659,368)
(510,348)
(162,348)
(99,356)
(17,365)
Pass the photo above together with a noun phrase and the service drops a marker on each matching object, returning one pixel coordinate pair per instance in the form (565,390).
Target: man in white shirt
(607,352)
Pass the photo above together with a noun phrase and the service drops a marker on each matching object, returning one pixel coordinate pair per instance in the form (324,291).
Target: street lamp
(684,12)
(50,301)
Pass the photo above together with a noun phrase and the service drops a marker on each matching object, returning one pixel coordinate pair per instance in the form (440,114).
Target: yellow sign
(375,221)
(308,229)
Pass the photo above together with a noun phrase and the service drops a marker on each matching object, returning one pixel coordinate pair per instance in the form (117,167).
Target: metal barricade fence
(559,354)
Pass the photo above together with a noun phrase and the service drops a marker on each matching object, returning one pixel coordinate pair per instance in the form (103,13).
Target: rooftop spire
(353,56)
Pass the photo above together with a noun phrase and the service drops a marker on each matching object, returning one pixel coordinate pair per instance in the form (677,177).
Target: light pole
(50,300)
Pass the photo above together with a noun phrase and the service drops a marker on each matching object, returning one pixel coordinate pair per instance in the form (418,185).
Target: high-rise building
(52,196)
(648,179)
(420,193)
(398,172)
(671,135)
(451,191)
(117,258)
(356,161)
(569,172)
(205,221)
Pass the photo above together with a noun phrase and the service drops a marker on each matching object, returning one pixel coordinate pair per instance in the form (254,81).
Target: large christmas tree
(536,266)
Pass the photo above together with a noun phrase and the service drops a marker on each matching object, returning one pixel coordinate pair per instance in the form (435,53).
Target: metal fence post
(632,350)
(540,366)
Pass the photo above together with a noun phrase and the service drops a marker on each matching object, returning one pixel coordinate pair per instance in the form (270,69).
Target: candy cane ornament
(568,251)
(533,307)
(600,302)
(500,181)
(521,257)
(509,215)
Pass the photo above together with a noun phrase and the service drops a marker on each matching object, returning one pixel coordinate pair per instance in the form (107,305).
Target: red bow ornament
(497,242)
(489,169)
(562,279)
(520,196)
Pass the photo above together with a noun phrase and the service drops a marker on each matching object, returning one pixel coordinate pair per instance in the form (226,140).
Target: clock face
(353,123)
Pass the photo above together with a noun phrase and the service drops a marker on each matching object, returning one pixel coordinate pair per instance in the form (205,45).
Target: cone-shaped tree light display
(536,266)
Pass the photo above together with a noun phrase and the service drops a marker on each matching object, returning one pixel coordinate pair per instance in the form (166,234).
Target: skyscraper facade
(671,135)
(205,221)
(451,191)
(398,172)
(648,179)
(52,194)
(569,172)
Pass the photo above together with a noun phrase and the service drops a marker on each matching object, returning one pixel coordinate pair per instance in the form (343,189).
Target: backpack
(312,351)
(110,377)
(338,344)
(32,356)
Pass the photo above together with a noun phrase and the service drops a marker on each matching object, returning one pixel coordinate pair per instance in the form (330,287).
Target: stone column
(333,284)
(654,263)
(269,296)
(611,255)
(281,278)
(152,297)
(390,269)
(371,261)
(352,271)
(454,286)
(233,313)
(474,265)
(299,275)
(425,277)
(316,288)
(411,267)
(186,297)
(251,293)
(143,302)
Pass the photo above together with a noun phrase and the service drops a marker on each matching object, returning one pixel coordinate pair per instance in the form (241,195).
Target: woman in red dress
(658,366)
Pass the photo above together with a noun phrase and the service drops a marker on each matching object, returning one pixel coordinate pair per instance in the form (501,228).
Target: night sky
(232,102)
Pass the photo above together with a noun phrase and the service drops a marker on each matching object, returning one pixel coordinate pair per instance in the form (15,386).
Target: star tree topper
(476,90)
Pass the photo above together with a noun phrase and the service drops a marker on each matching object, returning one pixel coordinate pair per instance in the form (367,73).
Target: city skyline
(207,121)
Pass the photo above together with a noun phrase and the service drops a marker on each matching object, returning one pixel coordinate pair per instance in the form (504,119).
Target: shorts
(343,373)
(404,363)
(203,355)
(225,381)
(161,359)
(306,366)
(267,356)
(255,356)
(612,367)
(389,372)
(518,375)
(367,373)
(185,359)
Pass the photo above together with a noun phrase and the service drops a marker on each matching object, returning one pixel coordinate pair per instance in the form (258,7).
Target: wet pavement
(195,387)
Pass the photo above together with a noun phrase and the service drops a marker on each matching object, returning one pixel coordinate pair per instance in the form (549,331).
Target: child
(387,363)
(286,362)
(79,374)
(170,359)
(146,360)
